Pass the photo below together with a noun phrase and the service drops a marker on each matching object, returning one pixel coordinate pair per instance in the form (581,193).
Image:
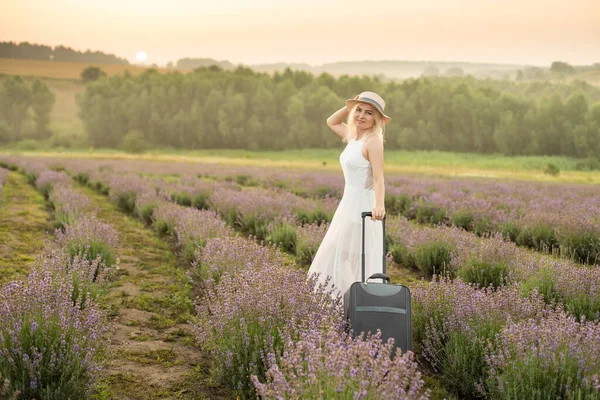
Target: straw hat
(370,98)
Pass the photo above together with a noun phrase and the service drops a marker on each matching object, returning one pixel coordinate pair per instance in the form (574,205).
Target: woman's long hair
(351,132)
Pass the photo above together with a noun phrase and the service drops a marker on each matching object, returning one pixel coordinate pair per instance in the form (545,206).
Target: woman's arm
(374,148)
(336,121)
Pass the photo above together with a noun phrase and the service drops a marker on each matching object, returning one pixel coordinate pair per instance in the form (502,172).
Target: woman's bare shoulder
(374,142)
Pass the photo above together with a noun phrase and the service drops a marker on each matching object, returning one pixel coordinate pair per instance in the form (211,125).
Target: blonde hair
(378,125)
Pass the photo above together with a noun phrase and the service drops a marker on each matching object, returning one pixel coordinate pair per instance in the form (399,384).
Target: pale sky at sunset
(533,32)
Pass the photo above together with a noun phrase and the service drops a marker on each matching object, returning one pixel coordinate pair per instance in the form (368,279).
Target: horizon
(266,32)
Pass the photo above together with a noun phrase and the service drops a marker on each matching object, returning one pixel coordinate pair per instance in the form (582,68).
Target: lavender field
(194,276)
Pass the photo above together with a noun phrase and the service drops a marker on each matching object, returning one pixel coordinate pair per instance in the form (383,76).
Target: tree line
(25,109)
(215,108)
(28,51)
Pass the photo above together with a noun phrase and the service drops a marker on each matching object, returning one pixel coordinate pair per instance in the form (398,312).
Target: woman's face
(364,116)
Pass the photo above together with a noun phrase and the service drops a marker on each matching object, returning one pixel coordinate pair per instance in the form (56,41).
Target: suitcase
(372,305)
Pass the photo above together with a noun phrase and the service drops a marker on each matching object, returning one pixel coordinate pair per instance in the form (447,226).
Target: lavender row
(498,344)
(79,232)
(51,328)
(295,223)
(548,217)
(485,314)
(494,261)
(443,250)
(256,305)
(443,337)
(272,332)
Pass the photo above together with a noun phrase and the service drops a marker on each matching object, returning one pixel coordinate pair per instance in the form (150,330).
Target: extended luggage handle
(378,275)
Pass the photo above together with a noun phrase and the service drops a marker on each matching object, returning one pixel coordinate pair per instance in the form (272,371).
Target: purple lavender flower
(90,238)
(48,343)
(68,204)
(255,312)
(333,365)
(230,254)
(555,357)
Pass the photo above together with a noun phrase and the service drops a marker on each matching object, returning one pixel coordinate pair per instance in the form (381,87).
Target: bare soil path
(151,352)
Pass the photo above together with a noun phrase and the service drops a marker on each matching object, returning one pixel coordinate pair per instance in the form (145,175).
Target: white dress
(340,251)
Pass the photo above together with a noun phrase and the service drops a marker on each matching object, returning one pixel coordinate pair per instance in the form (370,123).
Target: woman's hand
(377,213)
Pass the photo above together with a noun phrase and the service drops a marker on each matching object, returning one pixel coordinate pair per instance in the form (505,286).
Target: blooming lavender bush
(68,204)
(331,365)
(194,227)
(256,312)
(553,358)
(124,191)
(490,261)
(563,281)
(90,238)
(192,193)
(228,254)
(165,217)
(87,276)
(191,226)
(283,233)
(428,249)
(310,237)
(145,204)
(46,179)
(253,209)
(48,345)
(453,322)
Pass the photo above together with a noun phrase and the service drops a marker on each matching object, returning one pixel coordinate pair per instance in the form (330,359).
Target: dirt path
(24,221)
(150,354)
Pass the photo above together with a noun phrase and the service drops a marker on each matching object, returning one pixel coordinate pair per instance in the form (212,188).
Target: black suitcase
(372,305)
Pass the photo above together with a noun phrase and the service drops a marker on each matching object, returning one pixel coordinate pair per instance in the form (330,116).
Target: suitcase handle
(379,275)
(365,214)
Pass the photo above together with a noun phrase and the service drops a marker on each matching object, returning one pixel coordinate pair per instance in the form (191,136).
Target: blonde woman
(339,255)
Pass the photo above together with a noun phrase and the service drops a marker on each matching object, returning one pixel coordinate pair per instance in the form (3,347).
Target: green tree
(297,126)
(15,100)
(520,76)
(42,103)
(91,74)
(134,142)
(562,67)
(232,121)
(431,71)
(455,71)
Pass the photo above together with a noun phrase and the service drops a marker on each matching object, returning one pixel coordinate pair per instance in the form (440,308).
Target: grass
(396,162)
(24,207)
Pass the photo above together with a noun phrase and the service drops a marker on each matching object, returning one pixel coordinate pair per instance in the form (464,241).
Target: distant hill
(28,51)
(396,69)
(406,69)
(193,63)
(392,69)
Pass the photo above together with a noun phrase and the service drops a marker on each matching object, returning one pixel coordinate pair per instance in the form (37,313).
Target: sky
(530,32)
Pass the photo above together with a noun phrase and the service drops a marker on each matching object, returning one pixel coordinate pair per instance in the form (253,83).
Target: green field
(396,162)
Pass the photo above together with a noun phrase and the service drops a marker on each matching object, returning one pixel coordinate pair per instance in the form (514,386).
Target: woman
(339,255)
